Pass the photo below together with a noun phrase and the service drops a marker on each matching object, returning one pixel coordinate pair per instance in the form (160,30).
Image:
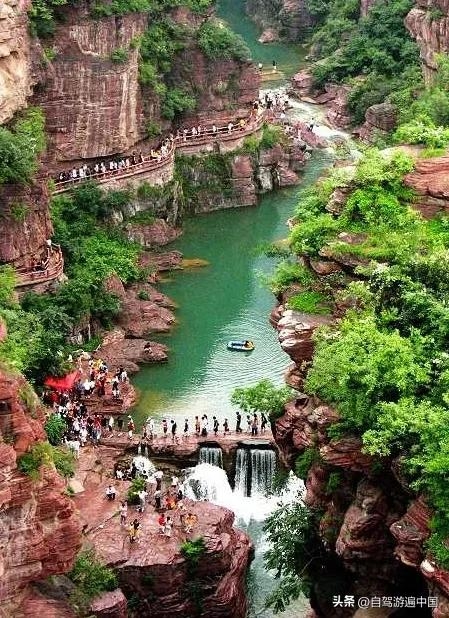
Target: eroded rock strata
(36,515)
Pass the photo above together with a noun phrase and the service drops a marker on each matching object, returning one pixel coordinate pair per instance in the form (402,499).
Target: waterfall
(144,466)
(207,482)
(254,471)
(211,455)
(241,472)
(146,451)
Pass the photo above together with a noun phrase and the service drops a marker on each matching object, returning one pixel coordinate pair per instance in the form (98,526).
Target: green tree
(262,397)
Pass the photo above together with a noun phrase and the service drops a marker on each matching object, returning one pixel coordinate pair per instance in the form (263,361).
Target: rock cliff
(17,75)
(290,19)
(428,23)
(36,515)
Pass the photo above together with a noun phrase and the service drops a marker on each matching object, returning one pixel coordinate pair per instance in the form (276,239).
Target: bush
(262,397)
(91,579)
(55,427)
(119,55)
(44,454)
(138,484)
(21,146)
(218,42)
(42,17)
(305,461)
(309,302)
(287,273)
(177,101)
(193,551)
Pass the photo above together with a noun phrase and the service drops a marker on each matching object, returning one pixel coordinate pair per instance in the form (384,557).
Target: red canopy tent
(64,383)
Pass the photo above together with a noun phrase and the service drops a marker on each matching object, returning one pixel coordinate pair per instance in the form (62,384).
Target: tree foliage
(218,42)
(262,397)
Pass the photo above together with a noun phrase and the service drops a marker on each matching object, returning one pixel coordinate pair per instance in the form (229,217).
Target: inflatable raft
(241,346)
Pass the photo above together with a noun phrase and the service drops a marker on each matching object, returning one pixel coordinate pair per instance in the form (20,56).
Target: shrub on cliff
(55,427)
(262,397)
(177,101)
(91,579)
(21,146)
(44,454)
(218,42)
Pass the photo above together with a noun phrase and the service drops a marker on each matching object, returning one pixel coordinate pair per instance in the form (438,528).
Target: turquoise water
(288,57)
(217,303)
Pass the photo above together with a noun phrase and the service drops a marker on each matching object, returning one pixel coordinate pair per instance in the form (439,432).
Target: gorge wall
(290,19)
(37,515)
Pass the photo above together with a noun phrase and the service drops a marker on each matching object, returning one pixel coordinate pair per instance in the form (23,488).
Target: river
(226,300)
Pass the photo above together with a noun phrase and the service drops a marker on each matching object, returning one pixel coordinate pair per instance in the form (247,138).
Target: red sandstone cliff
(36,516)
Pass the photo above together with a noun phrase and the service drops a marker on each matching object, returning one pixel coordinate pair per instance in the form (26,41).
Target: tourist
(168,526)
(164,427)
(238,425)
(214,129)
(174,427)
(204,426)
(142,497)
(225,427)
(275,67)
(158,499)
(111,424)
(161,523)
(263,422)
(120,423)
(110,492)
(197,427)
(216,425)
(131,428)
(189,521)
(119,474)
(186,428)
(123,513)
(174,482)
(260,66)
(230,127)
(248,423)
(254,425)
(134,530)
(184,135)
(158,476)
(150,428)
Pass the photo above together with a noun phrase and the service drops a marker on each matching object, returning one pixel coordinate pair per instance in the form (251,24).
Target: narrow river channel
(226,300)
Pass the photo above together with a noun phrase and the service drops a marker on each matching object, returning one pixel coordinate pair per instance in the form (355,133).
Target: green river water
(226,300)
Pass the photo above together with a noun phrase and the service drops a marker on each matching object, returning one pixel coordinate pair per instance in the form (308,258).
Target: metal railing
(54,269)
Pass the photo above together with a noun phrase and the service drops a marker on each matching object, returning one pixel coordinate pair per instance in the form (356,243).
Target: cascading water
(144,466)
(241,472)
(263,467)
(211,455)
(254,471)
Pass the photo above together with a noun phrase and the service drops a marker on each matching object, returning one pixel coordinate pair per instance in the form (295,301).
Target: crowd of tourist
(166,498)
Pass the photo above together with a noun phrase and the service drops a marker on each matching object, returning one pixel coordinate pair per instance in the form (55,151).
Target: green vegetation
(137,484)
(44,454)
(38,328)
(176,102)
(262,397)
(309,302)
(292,541)
(43,14)
(193,551)
(91,578)
(385,365)
(201,177)
(374,54)
(305,461)
(119,55)
(271,136)
(218,42)
(55,427)
(154,7)
(21,145)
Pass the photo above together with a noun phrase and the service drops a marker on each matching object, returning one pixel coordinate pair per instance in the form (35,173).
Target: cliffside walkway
(32,277)
(187,143)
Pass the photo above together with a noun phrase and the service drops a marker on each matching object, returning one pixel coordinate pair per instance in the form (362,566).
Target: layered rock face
(428,23)
(380,120)
(37,516)
(26,224)
(93,105)
(291,19)
(16,74)
(430,181)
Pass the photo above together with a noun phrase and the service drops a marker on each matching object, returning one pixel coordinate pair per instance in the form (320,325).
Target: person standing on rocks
(142,497)
(174,428)
(216,425)
(168,526)
(131,428)
(238,426)
(248,423)
(225,427)
(158,499)
(161,522)
(134,531)
(164,427)
(158,476)
(254,425)
(263,422)
(123,513)
(197,427)
(186,428)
